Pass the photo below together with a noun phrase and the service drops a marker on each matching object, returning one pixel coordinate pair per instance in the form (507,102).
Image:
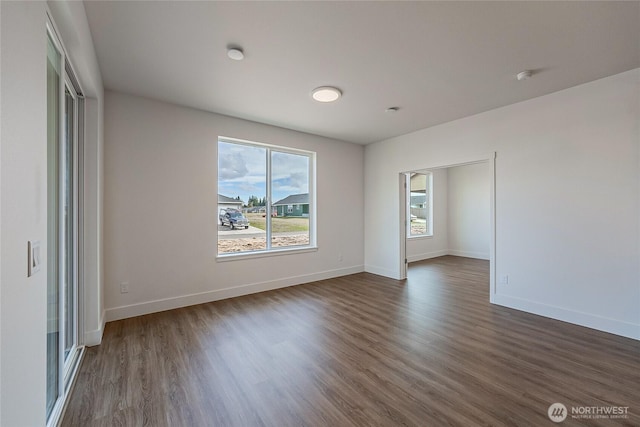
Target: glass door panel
(54,60)
(67,210)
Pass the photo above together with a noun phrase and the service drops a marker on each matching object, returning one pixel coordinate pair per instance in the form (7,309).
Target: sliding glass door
(64,128)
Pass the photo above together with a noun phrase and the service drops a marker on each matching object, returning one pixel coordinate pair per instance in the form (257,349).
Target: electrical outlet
(339,257)
(504,280)
(124,287)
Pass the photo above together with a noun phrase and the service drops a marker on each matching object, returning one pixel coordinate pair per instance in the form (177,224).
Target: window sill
(425,236)
(237,256)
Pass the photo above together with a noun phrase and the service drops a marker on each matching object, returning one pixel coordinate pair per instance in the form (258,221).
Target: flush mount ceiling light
(392,110)
(235,53)
(524,75)
(326,94)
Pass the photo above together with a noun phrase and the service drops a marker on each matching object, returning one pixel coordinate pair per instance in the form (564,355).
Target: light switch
(33,257)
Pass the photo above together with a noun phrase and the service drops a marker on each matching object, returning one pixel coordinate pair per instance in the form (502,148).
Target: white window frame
(429,232)
(270,251)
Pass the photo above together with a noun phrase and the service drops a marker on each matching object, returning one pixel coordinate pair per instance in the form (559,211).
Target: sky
(242,172)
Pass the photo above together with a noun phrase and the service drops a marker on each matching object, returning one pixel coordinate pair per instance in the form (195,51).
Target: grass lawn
(279,224)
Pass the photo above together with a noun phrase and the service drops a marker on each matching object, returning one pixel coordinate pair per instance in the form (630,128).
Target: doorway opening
(438,219)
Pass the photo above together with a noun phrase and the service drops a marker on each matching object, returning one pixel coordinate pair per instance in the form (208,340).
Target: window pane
(68,218)
(242,195)
(53,291)
(290,195)
(419,204)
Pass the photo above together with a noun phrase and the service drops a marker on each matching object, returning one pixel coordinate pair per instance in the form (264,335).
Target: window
(419,204)
(265,178)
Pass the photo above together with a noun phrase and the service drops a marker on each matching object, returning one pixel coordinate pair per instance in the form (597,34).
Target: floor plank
(360,350)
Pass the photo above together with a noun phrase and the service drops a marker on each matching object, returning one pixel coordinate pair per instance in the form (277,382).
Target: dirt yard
(288,231)
(418,227)
(226,246)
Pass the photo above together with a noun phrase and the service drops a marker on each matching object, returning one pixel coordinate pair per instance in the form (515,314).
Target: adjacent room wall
(469,225)
(160,208)
(567,199)
(419,248)
(461,215)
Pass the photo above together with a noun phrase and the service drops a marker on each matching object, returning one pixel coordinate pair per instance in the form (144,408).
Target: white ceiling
(437,61)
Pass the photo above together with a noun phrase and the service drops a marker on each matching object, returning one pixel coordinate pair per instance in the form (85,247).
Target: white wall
(469,226)
(419,248)
(23,200)
(1,227)
(567,199)
(94,317)
(160,208)
(24,212)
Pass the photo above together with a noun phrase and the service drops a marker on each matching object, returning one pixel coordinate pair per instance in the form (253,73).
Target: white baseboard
(427,255)
(468,254)
(94,337)
(443,252)
(133,310)
(617,327)
(381,271)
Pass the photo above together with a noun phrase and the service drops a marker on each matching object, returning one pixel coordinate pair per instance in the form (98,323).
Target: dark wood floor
(360,350)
